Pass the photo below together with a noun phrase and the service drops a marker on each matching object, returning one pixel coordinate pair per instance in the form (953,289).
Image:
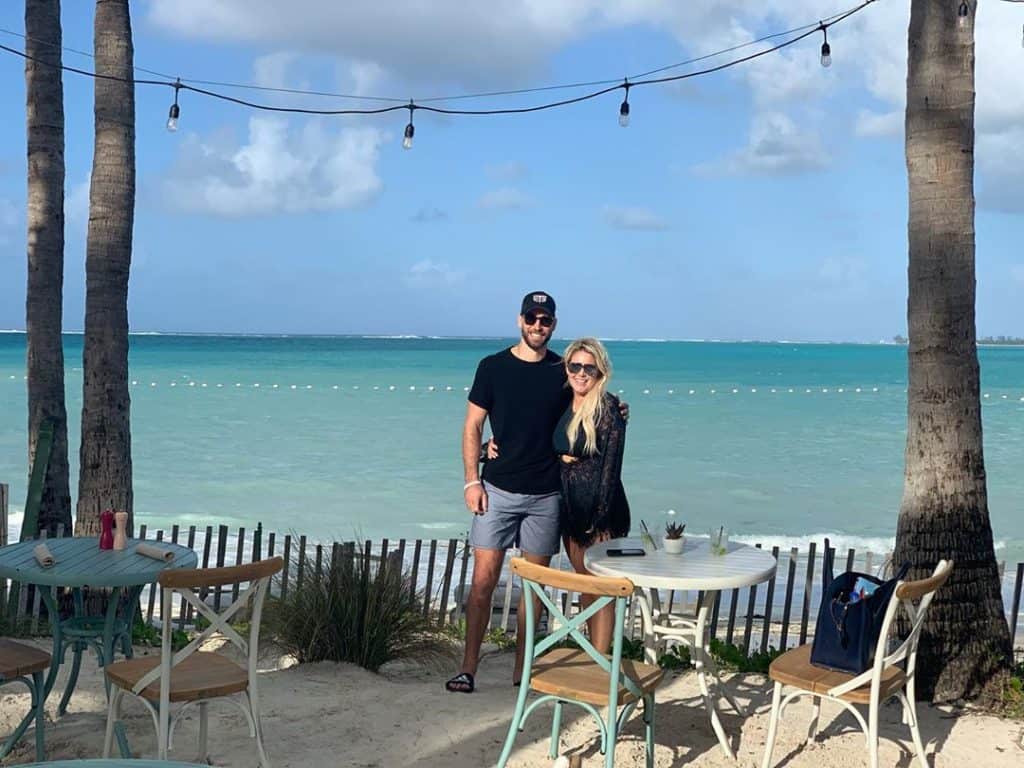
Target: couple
(554,468)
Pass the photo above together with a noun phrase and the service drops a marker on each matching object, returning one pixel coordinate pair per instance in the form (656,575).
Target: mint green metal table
(114,764)
(81,563)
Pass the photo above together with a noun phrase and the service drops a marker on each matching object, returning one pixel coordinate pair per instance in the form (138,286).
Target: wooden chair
(24,664)
(886,678)
(192,676)
(580,676)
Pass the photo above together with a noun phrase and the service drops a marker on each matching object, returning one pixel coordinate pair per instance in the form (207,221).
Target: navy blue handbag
(848,627)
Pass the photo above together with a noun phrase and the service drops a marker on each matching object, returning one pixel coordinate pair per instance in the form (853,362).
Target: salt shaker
(120,530)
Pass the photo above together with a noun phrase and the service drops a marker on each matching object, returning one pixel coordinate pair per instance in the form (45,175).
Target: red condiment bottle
(107,529)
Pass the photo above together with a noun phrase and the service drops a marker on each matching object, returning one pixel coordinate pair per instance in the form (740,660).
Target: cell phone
(626,552)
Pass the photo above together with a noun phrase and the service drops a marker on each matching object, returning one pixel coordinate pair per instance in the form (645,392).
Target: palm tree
(105,475)
(944,513)
(43,301)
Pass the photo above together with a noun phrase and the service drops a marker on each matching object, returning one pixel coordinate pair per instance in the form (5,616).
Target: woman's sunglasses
(546,321)
(591,370)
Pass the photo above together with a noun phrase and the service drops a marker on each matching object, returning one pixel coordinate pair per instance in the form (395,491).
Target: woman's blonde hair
(587,416)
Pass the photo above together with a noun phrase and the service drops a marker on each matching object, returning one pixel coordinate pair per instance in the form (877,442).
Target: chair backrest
(914,597)
(607,591)
(184,582)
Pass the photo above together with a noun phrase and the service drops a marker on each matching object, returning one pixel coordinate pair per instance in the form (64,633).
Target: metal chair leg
(556,727)
(773,726)
(112,716)
(38,700)
(812,730)
(649,722)
(69,688)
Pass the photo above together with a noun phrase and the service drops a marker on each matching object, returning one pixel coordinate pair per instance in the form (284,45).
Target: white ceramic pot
(674,546)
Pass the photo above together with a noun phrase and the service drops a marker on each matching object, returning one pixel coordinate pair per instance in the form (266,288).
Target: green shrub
(357,610)
(732,657)
(147,634)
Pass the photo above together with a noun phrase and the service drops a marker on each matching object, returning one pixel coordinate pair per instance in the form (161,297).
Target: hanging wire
(189,84)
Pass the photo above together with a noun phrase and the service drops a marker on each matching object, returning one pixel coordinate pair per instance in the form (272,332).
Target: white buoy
(753,391)
(712,391)
(391,388)
(275,386)
(355,386)
(839,390)
(874,389)
(735,391)
(466,389)
(430,388)
(824,389)
(447,389)
(376,388)
(238,383)
(857,390)
(220,386)
(191,383)
(257,385)
(671,391)
(693,391)
(791,391)
(294,387)
(335,386)
(152,383)
(309,386)
(647,391)
(412,388)
(134,382)
(174,383)
(773,391)
(203,384)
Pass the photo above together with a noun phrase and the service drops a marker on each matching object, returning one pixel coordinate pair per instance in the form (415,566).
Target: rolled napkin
(44,556)
(157,553)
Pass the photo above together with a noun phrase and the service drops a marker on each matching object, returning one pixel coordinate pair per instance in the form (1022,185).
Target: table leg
(650,643)
(701,658)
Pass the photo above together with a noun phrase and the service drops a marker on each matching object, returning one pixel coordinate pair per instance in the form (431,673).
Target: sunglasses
(591,370)
(546,321)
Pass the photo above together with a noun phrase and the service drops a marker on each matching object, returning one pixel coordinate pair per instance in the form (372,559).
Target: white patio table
(695,569)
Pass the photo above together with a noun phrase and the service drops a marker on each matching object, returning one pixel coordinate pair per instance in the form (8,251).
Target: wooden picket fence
(776,614)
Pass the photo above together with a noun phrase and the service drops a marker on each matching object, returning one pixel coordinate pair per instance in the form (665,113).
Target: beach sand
(340,715)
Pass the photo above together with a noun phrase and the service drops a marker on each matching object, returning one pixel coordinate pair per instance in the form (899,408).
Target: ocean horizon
(344,436)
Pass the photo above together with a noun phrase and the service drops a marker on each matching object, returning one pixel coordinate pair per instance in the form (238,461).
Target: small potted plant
(674,539)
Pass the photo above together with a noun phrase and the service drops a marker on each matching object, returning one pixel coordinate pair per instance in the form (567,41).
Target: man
(522,390)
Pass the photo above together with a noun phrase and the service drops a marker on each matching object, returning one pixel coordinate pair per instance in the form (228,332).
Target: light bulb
(172,118)
(407,139)
(624,114)
(826,55)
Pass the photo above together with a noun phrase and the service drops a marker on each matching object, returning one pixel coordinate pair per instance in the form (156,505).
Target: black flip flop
(461,683)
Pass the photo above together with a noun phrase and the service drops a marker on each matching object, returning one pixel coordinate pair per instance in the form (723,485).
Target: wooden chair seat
(17,659)
(570,672)
(794,668)
(203,675)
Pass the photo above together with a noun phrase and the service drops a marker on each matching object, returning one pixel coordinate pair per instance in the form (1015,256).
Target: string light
(624,107)
(962,13)
(798,34)
(172,116)
(410,129)
(826,49)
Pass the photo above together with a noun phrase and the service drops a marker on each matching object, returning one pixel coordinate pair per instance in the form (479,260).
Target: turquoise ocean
(360,437)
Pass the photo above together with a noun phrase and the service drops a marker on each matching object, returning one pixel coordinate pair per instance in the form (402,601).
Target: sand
(340,715)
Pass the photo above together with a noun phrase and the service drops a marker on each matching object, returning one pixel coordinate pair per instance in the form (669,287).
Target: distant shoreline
(425,337)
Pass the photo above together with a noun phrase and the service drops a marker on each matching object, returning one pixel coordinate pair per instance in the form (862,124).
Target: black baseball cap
(538,300)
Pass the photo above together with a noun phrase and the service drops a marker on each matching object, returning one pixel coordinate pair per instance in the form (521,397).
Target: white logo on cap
(540,298)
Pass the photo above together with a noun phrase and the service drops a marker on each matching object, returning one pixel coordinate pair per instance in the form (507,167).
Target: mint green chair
(582,675)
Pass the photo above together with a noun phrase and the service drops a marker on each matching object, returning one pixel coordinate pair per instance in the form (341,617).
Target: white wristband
(471,483)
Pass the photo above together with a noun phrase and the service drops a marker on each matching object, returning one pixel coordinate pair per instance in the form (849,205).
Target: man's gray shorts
(529,521)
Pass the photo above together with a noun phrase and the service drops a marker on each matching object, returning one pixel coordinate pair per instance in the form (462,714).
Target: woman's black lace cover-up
(593,499)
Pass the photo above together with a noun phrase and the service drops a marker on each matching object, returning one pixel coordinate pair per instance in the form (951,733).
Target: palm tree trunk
(43,300)
(105,477)
(944,513)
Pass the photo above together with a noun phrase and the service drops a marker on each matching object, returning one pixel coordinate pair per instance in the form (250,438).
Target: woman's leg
(601,625)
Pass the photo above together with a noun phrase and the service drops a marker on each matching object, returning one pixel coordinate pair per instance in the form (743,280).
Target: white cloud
(1000,180)
(278,169)
(430,272)
(837,271)
(879,124)
(427,214)
(510,171)
(76,206)
(504,198)
(10,217)
(633,218)
(776,145)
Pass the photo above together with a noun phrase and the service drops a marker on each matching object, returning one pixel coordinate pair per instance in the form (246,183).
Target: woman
(589,440)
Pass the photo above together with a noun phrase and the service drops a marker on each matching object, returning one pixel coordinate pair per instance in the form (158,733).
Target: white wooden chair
(795,676)
(193,676)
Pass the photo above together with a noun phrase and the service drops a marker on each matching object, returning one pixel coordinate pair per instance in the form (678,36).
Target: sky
(764,202)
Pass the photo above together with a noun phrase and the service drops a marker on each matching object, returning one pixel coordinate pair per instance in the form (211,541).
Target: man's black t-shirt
(524,402)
